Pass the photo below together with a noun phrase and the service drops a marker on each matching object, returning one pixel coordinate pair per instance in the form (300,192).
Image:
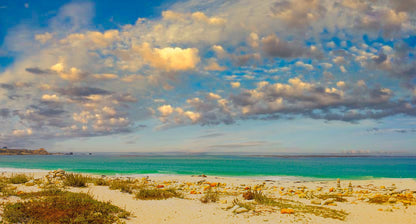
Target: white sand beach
(400,207)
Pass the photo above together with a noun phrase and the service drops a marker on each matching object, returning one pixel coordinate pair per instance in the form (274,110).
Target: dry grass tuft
(246,205)
(261,198)
(281,203)
(126,186)
(100,182)
(210,196)
(337,198)
(379,199)
(75,180)
(157,194)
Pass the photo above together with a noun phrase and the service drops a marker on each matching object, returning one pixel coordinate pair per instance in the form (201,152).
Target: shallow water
(261,167)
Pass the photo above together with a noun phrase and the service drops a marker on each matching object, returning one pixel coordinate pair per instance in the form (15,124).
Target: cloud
(276,100)
(83,91)
(177,116)
(209,63)
(7,86)
(133,78)
(43,38)
(170,59)
(339,60)
(213,135)
(391,130)
(219,51)
(197,16)
(275,47)
(342,68)
(73,74)
(73,16)
(213,110)
(165,110)
(105,76)
(214,66)
(200,16)
(403,5)
(326,65)
(239,145)
(5,113)
(246,59)
(50,98)
(22,133)
(235,84)
(38,71)
(91,39)
(387,21)
(303,65)
(298,13)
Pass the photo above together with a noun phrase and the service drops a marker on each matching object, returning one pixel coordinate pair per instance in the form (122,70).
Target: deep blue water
(316,167)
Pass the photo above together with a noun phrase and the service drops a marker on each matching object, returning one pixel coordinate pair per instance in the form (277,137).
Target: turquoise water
(315,167)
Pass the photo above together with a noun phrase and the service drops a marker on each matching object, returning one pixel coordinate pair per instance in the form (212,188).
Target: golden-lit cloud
(105,76)
(168,58)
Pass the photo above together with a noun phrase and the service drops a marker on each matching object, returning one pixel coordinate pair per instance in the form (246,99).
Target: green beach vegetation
(19,178)
(55,206)
(5,188)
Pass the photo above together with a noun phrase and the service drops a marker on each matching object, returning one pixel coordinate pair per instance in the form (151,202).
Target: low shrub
(62,207)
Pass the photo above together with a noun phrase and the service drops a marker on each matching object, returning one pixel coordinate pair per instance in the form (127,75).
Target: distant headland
(41,151)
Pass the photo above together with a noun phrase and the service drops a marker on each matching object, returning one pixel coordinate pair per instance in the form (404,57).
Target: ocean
(294,167)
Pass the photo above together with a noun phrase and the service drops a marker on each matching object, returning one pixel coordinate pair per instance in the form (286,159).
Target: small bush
(75,180)
(19,179)
(248,195)
(210,196)
(63,207)
(157,194)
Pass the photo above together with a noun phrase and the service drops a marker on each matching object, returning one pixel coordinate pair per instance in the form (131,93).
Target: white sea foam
(144,175)
(285,178)
(20,170)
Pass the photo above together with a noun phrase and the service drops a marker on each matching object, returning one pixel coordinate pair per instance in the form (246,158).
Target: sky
(235,76)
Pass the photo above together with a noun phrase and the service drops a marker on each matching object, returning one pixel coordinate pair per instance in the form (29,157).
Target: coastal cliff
(41,151)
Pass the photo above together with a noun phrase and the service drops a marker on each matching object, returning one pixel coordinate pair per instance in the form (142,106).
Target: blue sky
(274,76)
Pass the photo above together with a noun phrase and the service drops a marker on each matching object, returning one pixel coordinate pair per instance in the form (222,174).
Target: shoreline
(251,177)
